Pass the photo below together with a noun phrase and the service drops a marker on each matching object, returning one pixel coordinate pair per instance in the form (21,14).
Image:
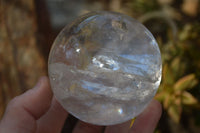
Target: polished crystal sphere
(104,68)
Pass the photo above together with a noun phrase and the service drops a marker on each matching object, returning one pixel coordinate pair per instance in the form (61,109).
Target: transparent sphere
(105,68)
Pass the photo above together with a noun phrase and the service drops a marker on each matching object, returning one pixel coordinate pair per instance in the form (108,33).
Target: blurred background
(28,28)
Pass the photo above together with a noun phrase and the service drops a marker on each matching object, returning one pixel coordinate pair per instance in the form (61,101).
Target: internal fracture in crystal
(105,68)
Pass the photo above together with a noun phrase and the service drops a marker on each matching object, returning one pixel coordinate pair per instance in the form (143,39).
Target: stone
(105,68)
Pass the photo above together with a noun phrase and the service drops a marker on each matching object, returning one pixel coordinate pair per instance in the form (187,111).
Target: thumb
(23,111)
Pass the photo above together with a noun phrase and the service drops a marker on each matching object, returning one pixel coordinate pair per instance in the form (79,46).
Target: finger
(147,121)
(144,123)
(83,127)
(119,128)
(53,120)
(23,111)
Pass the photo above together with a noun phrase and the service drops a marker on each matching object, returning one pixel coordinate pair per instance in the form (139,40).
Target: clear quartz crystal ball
(105,68)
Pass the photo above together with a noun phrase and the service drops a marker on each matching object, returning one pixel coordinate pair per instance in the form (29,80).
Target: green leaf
(161,96)
(174,112)
(186,82)
(167,101)
(188,99)
(175,64)
(168,77)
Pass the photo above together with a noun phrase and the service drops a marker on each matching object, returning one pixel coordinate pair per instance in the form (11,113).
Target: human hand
(37,111)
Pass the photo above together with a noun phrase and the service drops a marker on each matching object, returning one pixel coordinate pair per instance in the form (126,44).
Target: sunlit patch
(78,50)
(101,65)
(120,111)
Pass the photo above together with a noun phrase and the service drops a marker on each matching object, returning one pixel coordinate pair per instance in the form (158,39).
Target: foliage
(180,72)
(180,44)
(143,6)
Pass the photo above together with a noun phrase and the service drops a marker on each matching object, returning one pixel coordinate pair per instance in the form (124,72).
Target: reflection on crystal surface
(105,68)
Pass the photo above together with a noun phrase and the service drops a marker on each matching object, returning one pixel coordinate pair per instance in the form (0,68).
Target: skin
(37,111)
